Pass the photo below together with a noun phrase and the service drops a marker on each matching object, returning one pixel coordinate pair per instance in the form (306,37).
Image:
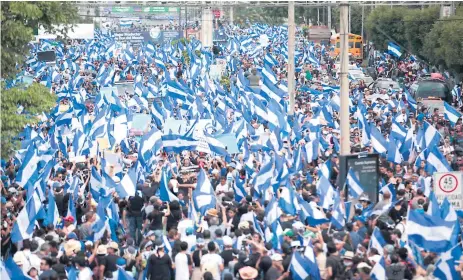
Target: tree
(19,19)
(417,24)
(442,45)
(356,18)
(34,99)
(267,15)
(389,21)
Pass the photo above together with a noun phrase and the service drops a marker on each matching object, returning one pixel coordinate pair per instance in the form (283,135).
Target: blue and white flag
(164,192)
(445,266)
(24,226)
(451,114)
(394,50)
(379,270)
(150,144)
(326,192)
(302,267)
(430,232)
(377,241)
(353,183)
(238,188)
(52,217)
(128,184)
(203,195)
(311,213)
(177,143)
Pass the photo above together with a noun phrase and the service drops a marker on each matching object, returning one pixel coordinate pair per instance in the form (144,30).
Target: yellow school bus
(355,46)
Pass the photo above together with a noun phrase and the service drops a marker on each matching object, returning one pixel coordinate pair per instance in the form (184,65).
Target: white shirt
(212,260)
(182,271)
(183,225)
(85,273)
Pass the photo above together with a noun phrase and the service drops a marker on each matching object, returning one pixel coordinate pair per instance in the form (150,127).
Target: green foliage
(225,81)
(390,21)
(184,41)
(186,57)
(356,18)
(18,20)
(442,45)
(267,15)
(417,24)
(35,99)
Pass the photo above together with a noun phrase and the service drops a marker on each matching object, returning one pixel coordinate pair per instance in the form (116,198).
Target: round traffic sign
(448,183)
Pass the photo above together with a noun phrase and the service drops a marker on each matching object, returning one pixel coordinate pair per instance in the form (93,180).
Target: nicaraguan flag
(451,114)
(311,213)
(23,228)
(128,184)
(302,267)
(379,270)
(164,192)
(353,182)
(430,232)
(238,189)
(377,241)
(177,143)
(436,162)
(150,144)
(203,195)
(394,50)
(326,192)
(445,266)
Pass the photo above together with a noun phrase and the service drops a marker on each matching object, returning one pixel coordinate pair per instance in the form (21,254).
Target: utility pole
(329,17)
(291,40)
(318,16)
(348,30)
(231,15)
(363,15)
(344,114)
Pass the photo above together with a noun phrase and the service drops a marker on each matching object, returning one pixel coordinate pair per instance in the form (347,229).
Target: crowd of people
(273,210)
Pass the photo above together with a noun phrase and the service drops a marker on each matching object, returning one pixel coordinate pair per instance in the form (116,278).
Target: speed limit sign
(449,185)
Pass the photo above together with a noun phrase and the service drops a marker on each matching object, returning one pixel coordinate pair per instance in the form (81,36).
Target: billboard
(155,35)
(366,167)
(78,31)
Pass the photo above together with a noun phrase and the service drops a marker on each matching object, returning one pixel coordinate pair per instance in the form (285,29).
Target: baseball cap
(72,235)
(277,257)
(69,219)
(288,232)
(227,241)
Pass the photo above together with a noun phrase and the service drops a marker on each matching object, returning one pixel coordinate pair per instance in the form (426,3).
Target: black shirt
(335,262)
(62,203)
(136,203)
(150,191)
(196,256)
(159,267)
(109,263)
(155,218)
(227,256)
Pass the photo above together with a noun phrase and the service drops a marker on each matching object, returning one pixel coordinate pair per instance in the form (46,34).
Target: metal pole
(363,14)
(231,15)
(318,16)
(291,40)
(329,17)
(344,114)
(349,30)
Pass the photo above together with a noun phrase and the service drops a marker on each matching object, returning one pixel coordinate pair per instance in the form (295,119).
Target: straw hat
(102,250)
(248,273)
(71,247)
(212,212)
